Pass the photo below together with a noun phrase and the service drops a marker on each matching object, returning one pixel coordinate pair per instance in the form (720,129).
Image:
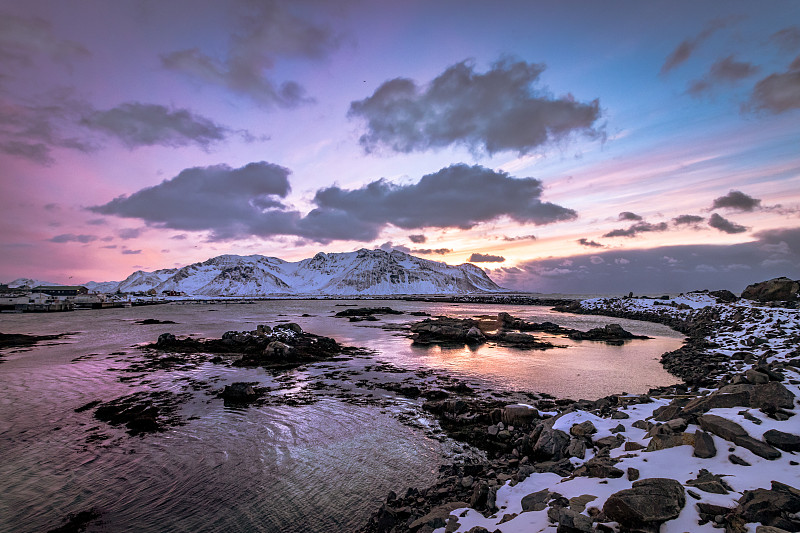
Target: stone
(165,339)
(677,424)
(602,467)
(667,412)
(704,445)
(438,516)
(727,396)
(536,501)
(784,441)
(619,415)
(647,504)
(778,289)
(631,446)
(584,429)
(551,444)
(578,503)
(735,459)
(770,529)
(771,396)
(570,521)
(761,449)
(664,441)
(721,427)
(577,448)
(611,442)
(492,430)
(239,392)
(773,507)
(277,350)
(756,377)
(633,473)
(708,482)
(519,415)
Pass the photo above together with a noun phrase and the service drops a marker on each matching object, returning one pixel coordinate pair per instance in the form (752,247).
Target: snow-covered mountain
(102,286)
(22,283)
(364,272)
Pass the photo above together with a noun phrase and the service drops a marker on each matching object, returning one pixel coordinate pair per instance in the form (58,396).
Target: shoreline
(548,460)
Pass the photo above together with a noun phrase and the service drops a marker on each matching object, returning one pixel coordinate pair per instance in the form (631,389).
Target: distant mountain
(364,272)
(102,286)
(21,283)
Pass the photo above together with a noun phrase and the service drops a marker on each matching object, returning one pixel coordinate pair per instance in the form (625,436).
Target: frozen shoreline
(559,473)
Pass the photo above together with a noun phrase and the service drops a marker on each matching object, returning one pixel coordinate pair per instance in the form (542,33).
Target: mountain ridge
(362,272)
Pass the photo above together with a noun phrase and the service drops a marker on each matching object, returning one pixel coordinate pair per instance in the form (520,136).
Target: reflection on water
(319,467)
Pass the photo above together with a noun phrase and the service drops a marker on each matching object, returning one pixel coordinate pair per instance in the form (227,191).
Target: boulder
(239,392)
(551,444)
(774,507)
(277,350)
(784,441)
(761,449)
(727,396)
(536,501)
(570,521)
(647,504)
(722,427)
(165,339)
(708,482)
(664,441)
(771,396)
(704,445)
(775,290)
(519,415)
(438,516)
(584,429)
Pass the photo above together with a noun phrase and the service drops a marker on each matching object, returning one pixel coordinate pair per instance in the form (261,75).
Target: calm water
(318,467)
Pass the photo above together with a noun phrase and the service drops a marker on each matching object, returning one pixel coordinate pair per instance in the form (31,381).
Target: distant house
(62,290)
(173,293)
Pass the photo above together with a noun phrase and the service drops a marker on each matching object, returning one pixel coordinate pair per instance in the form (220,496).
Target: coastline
(718,447)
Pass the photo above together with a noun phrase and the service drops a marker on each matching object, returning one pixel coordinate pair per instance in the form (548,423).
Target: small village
(56,298)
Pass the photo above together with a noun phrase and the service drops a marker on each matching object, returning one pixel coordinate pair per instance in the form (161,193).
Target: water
(318,467)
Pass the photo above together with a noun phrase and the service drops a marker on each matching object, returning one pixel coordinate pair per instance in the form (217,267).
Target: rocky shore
(718,452)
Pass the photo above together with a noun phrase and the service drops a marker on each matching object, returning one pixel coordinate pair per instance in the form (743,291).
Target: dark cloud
(520,238)
(485,258)
(627,215)
(417,239)
(234,203)
(129,233)
(24,39)
(635,229)
(180,237)
(97,222)
(429,251)
(737,201)
(687,220)
(788,39)
(495,111)
(665,269)
(131,252)
(33,127)
(110,246)
(686,48)
(726,70)
(71,237)
(266,32)
(724,225)
(137,124)
(778,92)
(458,196)
(589,244)
(217,198)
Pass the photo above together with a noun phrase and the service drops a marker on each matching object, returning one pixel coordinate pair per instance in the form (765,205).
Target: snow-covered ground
(769,334)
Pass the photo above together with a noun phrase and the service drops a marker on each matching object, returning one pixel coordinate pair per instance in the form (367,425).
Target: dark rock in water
(612,333)
(149,321)
(77,522)
(368,311)
(648,504)
(704,445)
(445,330)
(784,441)
(239,392)
(775,507)
(15,340)
(775,290)
(166,339)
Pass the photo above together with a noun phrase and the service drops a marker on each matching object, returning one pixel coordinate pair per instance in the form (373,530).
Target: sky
(574,146)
